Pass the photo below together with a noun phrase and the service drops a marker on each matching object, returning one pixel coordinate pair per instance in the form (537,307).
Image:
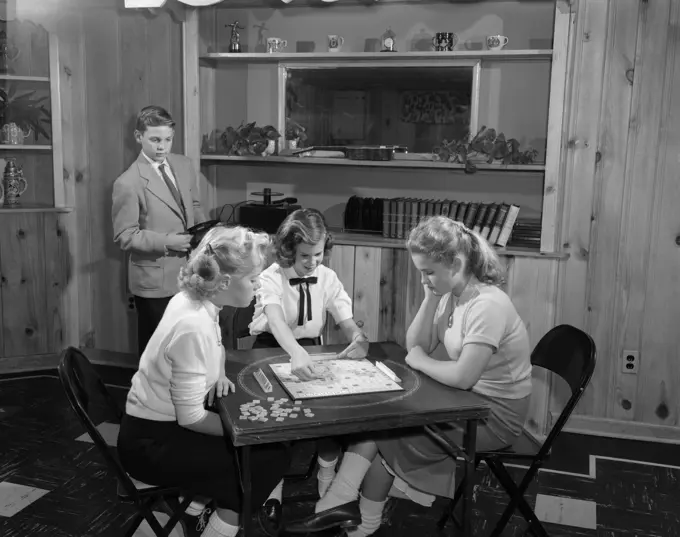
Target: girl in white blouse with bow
(167,436)
(296,294)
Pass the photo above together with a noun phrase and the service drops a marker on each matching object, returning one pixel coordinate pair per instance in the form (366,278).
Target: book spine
(479,218)
(509,223)
(498,224)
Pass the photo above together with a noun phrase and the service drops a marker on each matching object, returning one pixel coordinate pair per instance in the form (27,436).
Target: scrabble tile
(279,419)
(298,402)
(293,415)
(270,399)
(296,409)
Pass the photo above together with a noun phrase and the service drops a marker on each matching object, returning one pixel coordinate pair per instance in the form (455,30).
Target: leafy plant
(485,147)
(246,139)
(295,131)
(24,110)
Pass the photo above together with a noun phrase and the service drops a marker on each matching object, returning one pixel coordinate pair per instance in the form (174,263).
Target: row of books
(493,221)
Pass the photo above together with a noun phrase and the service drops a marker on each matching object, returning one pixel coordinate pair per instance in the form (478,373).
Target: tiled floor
(54,483)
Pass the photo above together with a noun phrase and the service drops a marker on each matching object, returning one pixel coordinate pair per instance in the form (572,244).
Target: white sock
(195,508)
(277,493)
(346,484)
(371,517)
(325,474)
(219,528)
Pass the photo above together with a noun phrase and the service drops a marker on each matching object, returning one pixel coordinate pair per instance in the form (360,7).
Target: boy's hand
(178,242)
(222,387)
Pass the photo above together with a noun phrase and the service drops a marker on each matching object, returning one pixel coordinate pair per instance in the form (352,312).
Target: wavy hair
(233,251)
(443,240)
(304,226)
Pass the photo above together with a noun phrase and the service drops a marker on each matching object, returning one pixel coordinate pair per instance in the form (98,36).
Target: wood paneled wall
(114,61)
(622,224)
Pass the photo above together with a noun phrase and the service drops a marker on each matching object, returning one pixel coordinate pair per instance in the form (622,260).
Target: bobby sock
(325,474)
(277,493)
(195,508)
(371,517)
(346,484)
(219,528)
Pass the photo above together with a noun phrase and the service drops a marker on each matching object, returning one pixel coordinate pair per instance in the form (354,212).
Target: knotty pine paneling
(131,59)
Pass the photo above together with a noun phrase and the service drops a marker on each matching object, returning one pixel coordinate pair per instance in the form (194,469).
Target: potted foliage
(295,134)
(22,114)
(485,147)
(249,139)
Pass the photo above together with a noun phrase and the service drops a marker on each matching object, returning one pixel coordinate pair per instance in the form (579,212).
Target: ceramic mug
(335,43)
(276,44)
(444,41)
(496,42)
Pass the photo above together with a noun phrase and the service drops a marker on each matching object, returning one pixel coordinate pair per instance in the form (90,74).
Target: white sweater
(180,365)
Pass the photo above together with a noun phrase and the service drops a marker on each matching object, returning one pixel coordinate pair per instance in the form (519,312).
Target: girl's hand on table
(358,347)
(415,357)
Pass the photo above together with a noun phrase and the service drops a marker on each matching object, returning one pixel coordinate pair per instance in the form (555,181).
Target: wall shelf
(530,54)
(370,163)
(25,147)
(378,241)
(20,78)
(33,208)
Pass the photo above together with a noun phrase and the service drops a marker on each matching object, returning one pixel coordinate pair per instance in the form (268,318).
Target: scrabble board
(340,377)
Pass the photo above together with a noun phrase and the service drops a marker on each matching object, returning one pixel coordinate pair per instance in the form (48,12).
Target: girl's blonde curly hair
(222,251)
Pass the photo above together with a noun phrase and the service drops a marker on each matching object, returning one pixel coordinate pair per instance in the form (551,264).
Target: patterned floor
(54,483)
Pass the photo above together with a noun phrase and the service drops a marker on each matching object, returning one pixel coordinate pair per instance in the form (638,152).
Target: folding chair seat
(569,353)
(92,403)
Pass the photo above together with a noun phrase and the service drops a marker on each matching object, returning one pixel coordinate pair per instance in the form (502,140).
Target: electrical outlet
(630,361)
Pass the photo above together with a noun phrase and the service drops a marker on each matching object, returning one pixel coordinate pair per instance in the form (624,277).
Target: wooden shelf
(25,147)
(33,208)
(530,54)
(378,241)
(20,78)
(372,163)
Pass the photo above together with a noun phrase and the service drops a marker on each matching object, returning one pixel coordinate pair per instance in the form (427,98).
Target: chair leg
(516,494)
(450,511)
(308,473)
(134,523)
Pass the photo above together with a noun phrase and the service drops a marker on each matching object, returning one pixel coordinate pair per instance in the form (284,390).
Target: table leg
(246,509)
(470,447)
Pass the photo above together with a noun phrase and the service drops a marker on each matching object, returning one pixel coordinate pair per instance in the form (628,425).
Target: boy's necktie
(173,190)
(301,306)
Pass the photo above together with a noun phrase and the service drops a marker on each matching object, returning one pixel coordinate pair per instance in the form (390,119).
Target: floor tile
(109,432)
(566,511)
(14,498)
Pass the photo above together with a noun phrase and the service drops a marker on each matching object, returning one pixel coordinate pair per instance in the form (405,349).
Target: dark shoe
(346,515)
(269,517)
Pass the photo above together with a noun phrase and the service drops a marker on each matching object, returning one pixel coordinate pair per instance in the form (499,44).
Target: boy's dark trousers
(149,314)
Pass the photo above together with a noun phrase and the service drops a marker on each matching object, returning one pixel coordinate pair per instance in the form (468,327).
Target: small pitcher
(13,182)
(12,134)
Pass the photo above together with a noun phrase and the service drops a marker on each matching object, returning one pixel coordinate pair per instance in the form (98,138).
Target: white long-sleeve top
(180,365)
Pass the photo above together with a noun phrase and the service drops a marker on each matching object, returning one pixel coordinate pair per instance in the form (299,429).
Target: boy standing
(154,202)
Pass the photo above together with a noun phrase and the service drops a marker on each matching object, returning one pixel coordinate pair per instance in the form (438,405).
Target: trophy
(234,45)
(388,41)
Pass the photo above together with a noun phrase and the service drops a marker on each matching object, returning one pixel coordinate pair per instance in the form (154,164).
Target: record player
(266,215)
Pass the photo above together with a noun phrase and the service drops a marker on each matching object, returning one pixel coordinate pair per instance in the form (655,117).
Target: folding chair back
(92,402)
(569,353)
(241,322)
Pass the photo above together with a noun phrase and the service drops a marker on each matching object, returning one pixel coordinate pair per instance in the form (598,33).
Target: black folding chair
(569,353)
(92,402)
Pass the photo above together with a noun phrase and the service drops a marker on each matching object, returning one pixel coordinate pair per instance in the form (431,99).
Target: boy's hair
(304,226)
(153,116)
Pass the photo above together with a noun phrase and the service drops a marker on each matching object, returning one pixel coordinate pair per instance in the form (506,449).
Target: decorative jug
(12,134)
(8,53)
(13,182)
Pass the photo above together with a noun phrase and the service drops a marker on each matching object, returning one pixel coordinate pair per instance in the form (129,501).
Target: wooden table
(423,402)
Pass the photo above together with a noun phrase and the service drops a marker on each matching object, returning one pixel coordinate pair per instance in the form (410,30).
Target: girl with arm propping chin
(466,335)
(167,436)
